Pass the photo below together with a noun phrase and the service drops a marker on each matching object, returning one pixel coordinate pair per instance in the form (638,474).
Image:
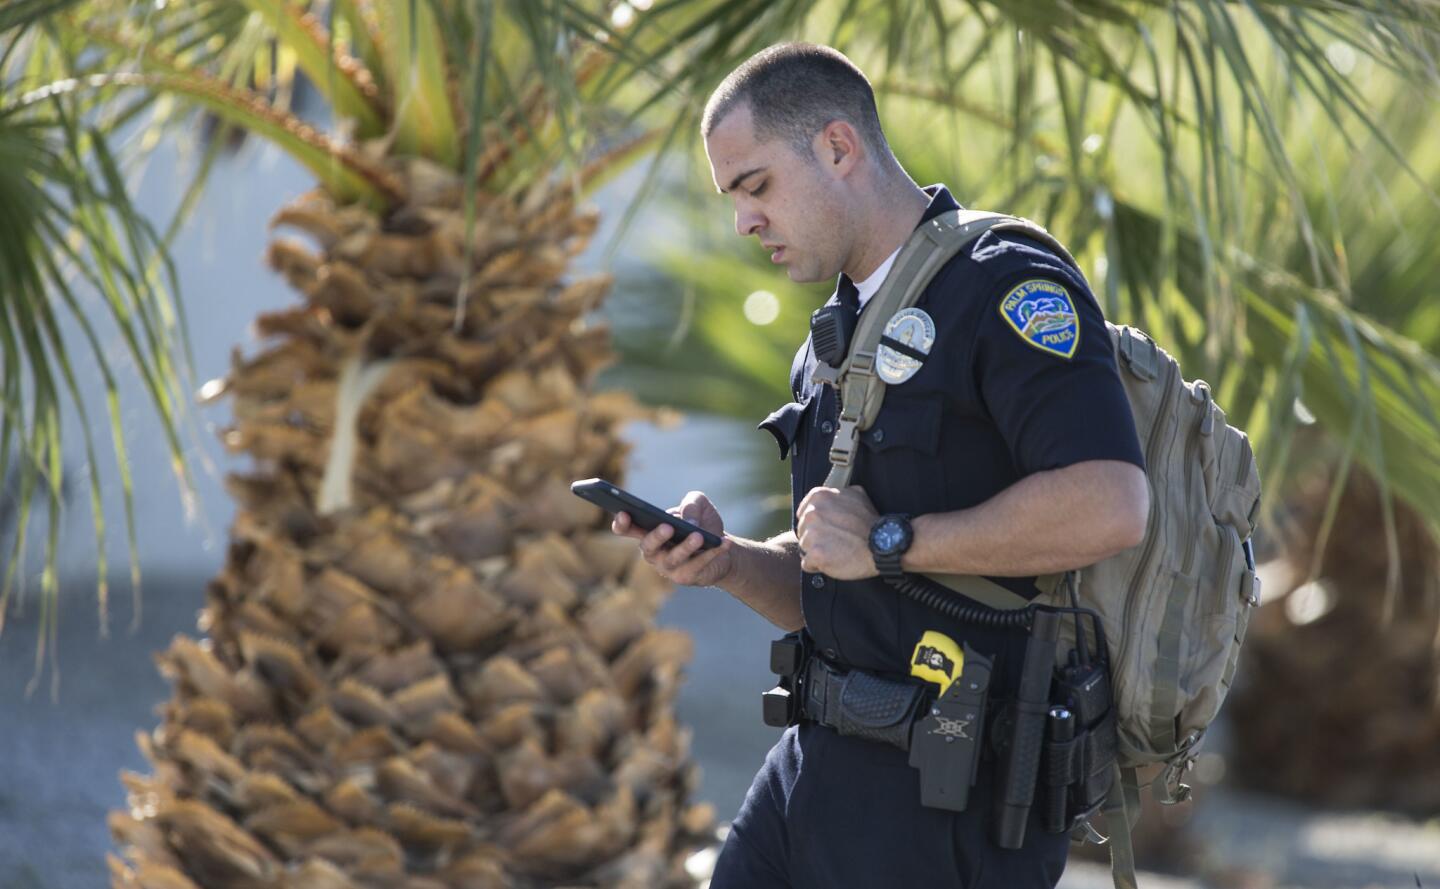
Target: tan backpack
(1175,607)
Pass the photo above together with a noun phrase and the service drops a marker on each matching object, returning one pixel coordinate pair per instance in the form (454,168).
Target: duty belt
(1060,755)
(943,734)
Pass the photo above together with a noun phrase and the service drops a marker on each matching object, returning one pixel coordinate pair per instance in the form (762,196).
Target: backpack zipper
(1243,465)
(1192,443)
(1151,449)
(1231,536)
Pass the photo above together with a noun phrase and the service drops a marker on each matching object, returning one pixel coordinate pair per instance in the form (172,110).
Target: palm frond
(342,79)
(64,219)
(423,119)
(1195,186)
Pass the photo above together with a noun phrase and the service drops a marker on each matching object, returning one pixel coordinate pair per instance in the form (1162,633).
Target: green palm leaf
(82,224)
(1249,276)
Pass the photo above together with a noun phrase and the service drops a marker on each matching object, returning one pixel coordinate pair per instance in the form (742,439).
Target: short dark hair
(794,90)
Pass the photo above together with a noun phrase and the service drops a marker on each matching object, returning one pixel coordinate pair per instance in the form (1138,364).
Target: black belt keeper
(788,656)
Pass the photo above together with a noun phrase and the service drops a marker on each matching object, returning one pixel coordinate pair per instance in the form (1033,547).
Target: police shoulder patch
(1043,314)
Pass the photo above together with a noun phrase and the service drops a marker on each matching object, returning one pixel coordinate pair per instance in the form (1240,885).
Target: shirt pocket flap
(905,421)
(784,424)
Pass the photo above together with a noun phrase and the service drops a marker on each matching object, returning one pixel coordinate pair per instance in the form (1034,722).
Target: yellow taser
(938,659)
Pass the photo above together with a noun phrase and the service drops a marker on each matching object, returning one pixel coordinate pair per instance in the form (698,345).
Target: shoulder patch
(1042,313)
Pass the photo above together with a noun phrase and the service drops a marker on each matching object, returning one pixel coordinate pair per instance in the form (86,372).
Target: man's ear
(838,148)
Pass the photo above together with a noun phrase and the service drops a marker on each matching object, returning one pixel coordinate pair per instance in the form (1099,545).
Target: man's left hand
(833,526)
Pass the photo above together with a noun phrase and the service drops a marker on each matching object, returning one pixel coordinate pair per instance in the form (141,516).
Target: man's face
(781,197)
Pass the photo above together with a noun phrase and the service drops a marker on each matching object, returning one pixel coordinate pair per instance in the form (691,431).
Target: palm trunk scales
(427,664)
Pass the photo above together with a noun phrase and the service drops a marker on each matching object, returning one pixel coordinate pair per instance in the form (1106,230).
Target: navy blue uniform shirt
(987,408)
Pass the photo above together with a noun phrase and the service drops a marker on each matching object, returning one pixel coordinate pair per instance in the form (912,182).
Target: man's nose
(748,222)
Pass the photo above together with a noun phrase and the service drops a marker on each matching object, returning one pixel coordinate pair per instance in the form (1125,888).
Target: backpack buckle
(862,362)
(842,446)
(1088,833)
(1250,580)
(1168,787)
(825,374)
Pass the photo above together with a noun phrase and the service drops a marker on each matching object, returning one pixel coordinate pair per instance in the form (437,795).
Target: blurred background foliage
(1265,214)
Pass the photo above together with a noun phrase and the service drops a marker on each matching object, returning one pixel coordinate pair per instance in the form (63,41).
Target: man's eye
(756,192)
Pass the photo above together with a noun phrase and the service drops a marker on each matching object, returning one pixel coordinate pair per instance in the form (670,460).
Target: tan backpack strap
(1121,811)
(986,592)
(928,248)
(992,594)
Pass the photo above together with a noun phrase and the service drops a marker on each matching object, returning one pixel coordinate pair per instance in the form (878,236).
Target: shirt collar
(871,284)
(941,201)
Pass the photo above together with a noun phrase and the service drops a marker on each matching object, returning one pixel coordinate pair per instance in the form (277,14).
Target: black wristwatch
(890,537)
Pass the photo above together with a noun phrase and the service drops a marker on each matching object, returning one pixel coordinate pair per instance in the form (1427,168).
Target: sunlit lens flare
(1104,203)
(622,16)
(212,390)
(762,307)
(702,864)
(1309,602)
(1342,57)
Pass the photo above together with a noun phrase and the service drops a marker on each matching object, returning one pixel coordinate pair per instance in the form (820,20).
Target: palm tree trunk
(427,663)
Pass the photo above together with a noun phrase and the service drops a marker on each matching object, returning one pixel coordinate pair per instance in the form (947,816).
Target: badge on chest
(906,342)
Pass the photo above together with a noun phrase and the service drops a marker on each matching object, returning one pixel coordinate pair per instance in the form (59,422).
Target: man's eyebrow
(737,180)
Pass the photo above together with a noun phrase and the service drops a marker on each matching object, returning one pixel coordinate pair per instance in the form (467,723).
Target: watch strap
(889,565)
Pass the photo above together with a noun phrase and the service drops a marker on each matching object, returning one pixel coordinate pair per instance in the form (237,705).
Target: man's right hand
(684,563)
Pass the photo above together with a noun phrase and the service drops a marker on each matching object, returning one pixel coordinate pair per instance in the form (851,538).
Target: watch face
(889,536)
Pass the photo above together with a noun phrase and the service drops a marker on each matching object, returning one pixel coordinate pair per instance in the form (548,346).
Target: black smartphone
(646,516)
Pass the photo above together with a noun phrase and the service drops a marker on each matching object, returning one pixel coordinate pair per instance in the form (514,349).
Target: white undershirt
(871,284)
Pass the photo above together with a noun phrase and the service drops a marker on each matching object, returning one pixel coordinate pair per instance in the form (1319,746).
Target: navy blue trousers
(832,812)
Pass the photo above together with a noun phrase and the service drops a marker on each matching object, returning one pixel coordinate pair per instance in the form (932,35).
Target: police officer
(1008,453)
